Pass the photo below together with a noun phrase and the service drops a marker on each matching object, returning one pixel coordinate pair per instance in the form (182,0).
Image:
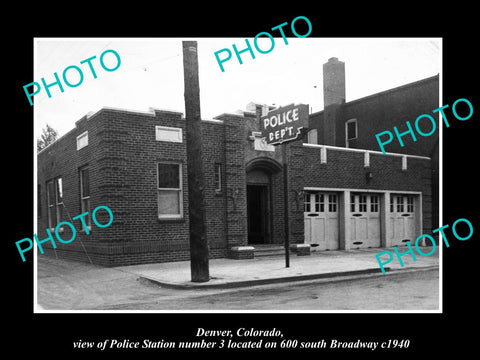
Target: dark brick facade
(121,155)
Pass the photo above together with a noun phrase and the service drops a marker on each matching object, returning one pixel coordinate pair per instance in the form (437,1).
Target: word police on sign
(284,124)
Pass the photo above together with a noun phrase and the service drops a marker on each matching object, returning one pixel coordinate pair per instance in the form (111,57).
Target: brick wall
(383,111)
(122,157)
(62,159)
(215,201)
(235,182)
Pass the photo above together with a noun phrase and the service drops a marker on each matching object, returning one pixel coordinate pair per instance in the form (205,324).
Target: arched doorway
(259,199)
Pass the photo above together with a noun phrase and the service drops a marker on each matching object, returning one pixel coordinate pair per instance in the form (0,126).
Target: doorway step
(268,250)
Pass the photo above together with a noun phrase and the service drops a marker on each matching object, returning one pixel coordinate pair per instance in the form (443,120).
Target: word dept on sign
(284,124)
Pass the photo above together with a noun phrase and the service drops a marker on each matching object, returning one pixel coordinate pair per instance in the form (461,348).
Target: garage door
(402,216)
(321,220)
(365,220)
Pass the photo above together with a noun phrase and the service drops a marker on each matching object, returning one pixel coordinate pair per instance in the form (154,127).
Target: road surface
(64,285)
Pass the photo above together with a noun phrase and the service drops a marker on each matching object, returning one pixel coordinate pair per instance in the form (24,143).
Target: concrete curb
(254,282)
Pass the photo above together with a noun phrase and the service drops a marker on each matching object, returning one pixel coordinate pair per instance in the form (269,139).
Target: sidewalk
(228,273)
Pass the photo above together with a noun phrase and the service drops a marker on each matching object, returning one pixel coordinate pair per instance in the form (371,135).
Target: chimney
(333,82)
(333,98)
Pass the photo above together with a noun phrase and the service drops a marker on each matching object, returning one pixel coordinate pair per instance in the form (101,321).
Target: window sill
(171,219)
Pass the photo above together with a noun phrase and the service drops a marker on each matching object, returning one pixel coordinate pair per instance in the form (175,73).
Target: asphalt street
(67,285)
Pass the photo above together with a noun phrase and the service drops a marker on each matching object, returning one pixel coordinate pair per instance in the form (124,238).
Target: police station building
(343,192)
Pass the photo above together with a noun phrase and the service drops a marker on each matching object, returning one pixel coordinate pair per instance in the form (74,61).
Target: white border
(39,309)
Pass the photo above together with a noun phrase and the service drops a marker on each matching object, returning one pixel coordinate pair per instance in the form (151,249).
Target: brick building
(343,193)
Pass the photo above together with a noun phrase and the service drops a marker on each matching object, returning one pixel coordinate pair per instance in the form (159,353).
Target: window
(350,130)
(332,203)
(410,206)
(404,163)
(312,136)
(323,155)
(319,203)
(85,194)
(352,203)
(374,203)
(50,204)
(82,140)
(392,205)
(54,202)
(218,178)
(307,204)
(366,159)
(400,204)
(58,199)
(314,202)
(170,204)
(170,134)
(362,203)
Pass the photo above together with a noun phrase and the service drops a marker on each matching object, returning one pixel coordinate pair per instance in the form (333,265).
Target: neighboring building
(343,193)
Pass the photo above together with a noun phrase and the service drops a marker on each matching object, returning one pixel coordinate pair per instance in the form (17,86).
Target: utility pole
(198,235)
(285,204)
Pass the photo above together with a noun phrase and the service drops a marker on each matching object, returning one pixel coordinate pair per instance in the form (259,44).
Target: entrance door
(365,220)
(321,220)
(402,218)
(258,210)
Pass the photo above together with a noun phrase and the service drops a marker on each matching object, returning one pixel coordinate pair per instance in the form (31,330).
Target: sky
(151,73)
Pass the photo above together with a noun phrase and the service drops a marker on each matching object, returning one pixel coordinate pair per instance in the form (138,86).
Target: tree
(48,136)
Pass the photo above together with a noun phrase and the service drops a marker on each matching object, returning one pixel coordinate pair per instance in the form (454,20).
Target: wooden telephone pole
(198,235)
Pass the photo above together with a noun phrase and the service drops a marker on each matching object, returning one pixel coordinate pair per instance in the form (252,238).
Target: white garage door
(365,220)
(321,220)
(402,214)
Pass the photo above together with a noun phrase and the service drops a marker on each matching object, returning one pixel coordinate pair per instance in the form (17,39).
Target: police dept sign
(284,124)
